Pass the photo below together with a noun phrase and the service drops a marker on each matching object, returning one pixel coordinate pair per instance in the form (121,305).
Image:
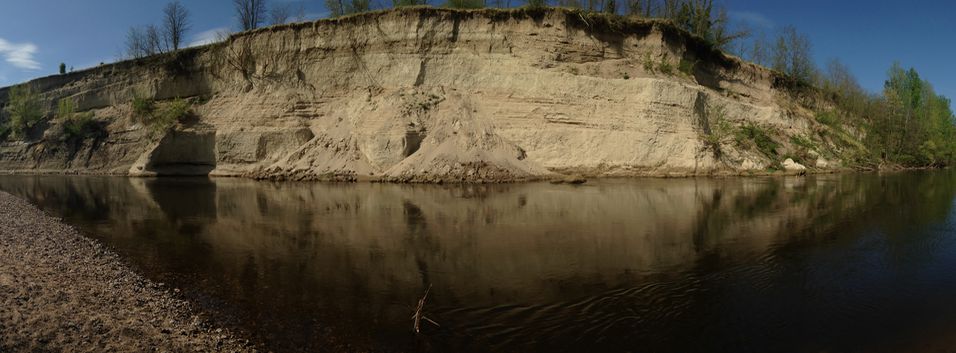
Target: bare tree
(279,14)
(336,7)
(135,39)
(143,42)
(154,41)
(175,24)
(642,8)
(251,13)
(299,14)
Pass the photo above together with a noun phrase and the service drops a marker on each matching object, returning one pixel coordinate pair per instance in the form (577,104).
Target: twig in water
(419,315)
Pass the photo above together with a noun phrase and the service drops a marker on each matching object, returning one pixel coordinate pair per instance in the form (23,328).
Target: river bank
(60,291)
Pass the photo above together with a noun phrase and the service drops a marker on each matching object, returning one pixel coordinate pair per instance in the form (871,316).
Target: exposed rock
(427,95)
(823,163)
(793,167)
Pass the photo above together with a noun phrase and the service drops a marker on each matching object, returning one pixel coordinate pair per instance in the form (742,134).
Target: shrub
(753,134)
(666,67)
(687,67)
(648,63)
(828,118)
(79,127)
(802,142)
(537,4)
(717,129)
(76,126)
(143,107)
(169,115)
(4,130)
(24,109)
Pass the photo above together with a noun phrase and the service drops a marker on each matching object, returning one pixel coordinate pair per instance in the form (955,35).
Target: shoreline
(559,178)
(62,291)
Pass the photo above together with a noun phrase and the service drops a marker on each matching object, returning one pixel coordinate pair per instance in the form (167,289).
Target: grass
(754,135)
(666,67)
(143,107)
(648,63)
(803,142)
(687,66)
(76,126)
(171,114)
(830,118)
(717,130)
(160,117)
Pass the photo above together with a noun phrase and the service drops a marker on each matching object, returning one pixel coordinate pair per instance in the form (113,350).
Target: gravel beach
(63,292)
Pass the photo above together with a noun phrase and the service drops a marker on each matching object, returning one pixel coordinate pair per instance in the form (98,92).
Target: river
(845,262)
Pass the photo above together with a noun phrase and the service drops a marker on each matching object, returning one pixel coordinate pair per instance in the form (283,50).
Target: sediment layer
(436,95)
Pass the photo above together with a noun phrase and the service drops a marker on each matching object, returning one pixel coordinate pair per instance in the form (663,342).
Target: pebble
(117,307)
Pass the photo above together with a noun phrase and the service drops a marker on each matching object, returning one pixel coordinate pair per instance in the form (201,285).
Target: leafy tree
(791,55)
(24,109)
(62,68)
(700,17)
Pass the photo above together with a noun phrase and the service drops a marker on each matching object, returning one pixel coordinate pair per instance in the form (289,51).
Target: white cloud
(752,18)
(19,54)
(210,36)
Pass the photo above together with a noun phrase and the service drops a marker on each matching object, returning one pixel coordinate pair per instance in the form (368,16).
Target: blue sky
(36,35)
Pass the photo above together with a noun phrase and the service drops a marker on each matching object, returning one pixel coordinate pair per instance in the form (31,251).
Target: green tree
(791,55)
(24,109)
(62,68)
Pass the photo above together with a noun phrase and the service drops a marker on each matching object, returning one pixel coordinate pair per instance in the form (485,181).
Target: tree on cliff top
(143,42)
(250,13)
(175,24)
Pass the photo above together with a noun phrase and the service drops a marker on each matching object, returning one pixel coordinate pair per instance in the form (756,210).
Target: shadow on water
(821,263)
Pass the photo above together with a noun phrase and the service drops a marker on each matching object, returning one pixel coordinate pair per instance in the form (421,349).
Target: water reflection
(841,262)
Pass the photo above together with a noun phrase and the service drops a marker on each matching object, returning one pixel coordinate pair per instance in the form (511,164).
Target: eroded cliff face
(433,95)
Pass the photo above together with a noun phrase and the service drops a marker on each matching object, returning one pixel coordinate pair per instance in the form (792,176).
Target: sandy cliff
(425,94)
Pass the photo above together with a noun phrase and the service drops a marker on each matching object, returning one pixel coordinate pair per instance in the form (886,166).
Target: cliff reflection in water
(660,265)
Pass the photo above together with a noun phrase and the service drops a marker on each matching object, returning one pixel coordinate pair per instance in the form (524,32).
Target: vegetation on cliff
(906,124)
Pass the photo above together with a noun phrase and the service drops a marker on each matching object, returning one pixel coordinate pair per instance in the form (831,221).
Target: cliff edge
(438,95)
